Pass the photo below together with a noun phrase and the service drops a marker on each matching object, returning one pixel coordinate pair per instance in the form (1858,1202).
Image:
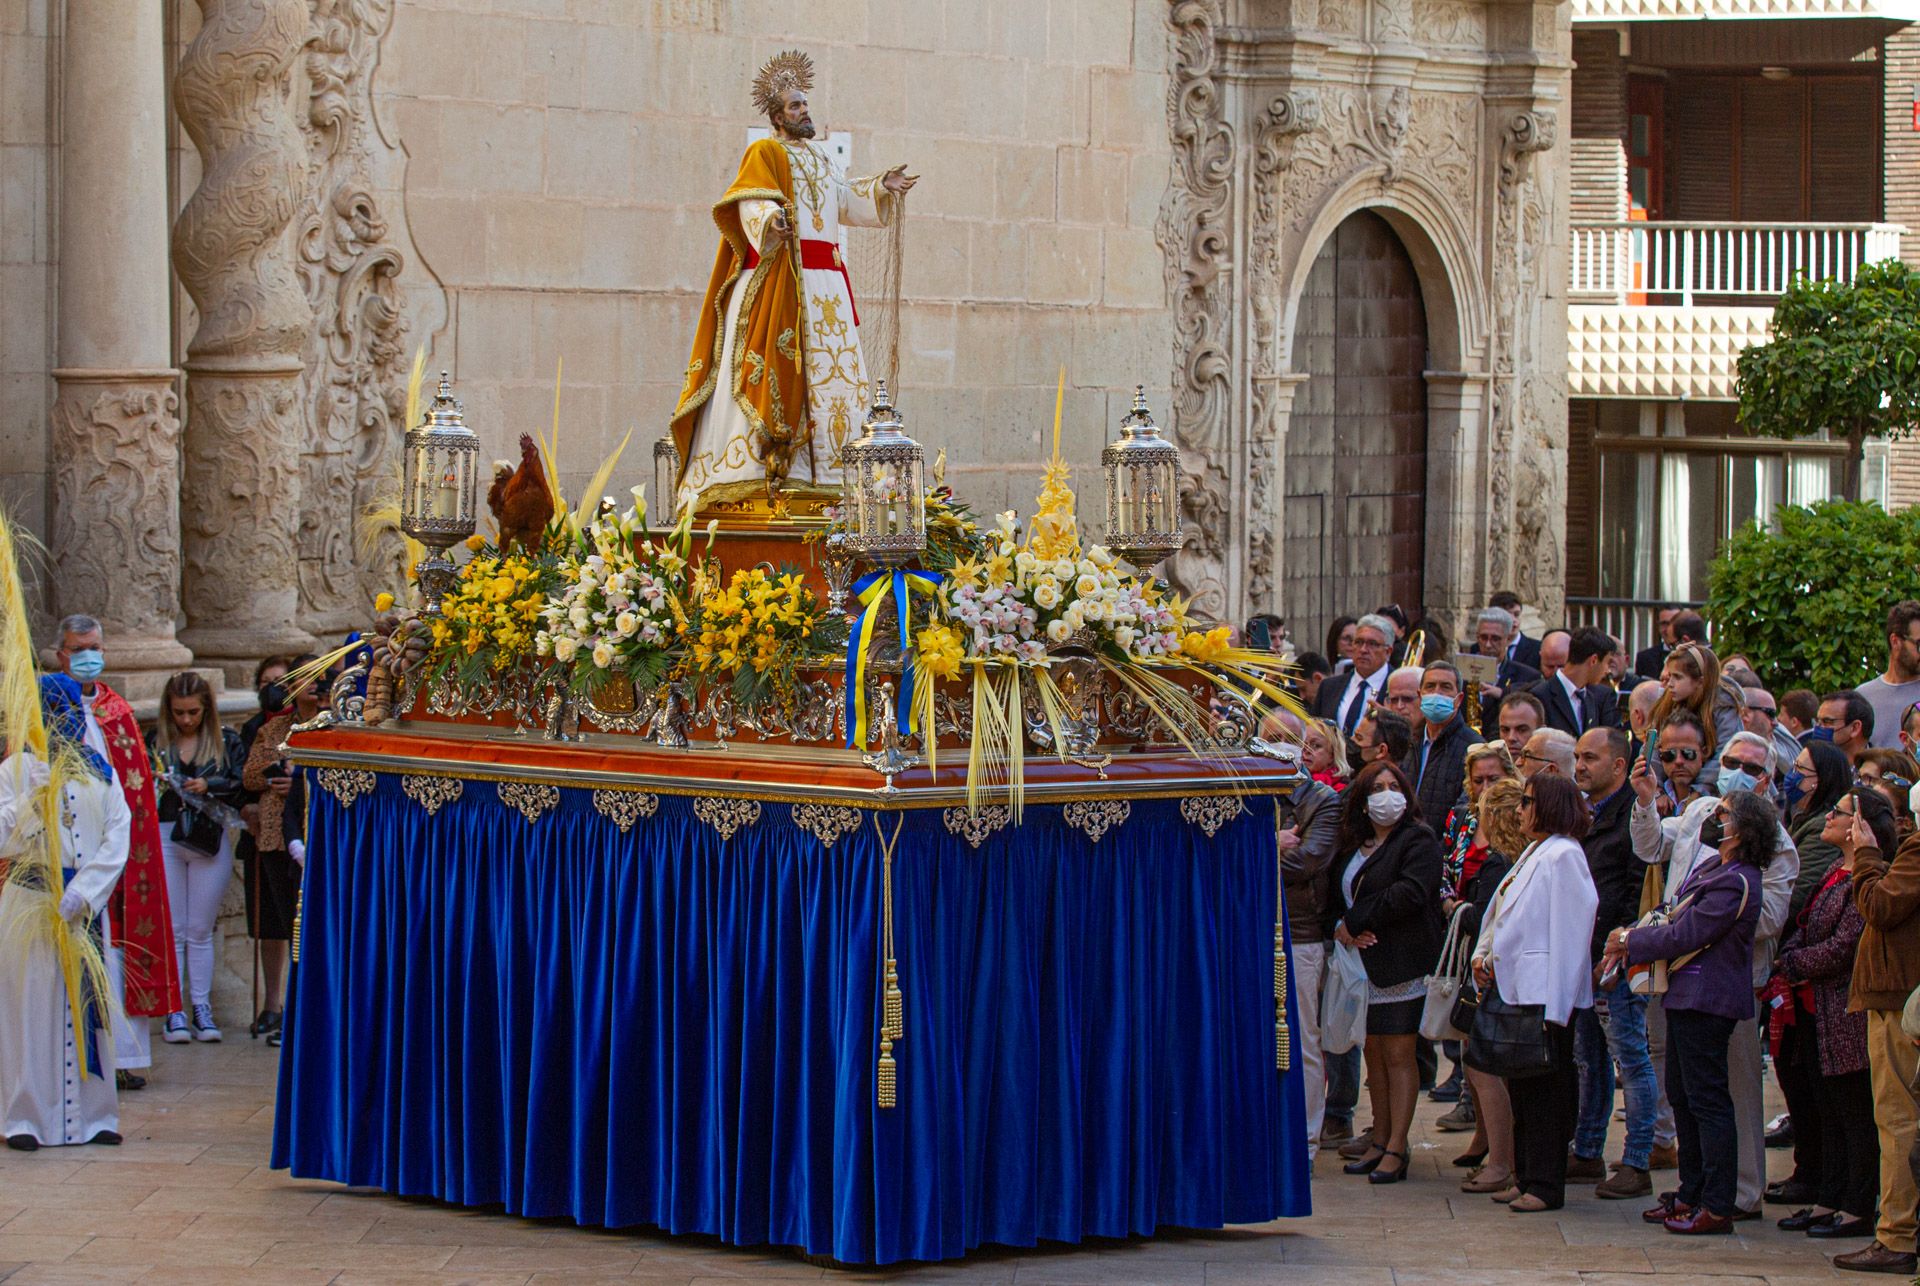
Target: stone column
(1458,508)
(116,435)
(233,248)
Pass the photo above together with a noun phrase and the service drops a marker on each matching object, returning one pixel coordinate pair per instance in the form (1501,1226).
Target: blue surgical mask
(86,664)
(1791,783)
(1818,734)
(1436,708)
(1740,779)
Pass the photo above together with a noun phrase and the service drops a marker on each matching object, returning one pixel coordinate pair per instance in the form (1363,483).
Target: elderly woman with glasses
(1821,1054)
(1534,948)
(1708,944)
(1499,811)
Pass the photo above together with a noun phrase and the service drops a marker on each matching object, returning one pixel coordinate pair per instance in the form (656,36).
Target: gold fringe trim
(1282,1034)
(893,1025)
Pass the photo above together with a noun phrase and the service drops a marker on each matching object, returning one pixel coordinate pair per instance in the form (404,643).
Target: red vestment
(142,921)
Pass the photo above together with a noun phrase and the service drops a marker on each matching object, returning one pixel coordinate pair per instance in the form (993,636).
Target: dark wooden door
(1357,445)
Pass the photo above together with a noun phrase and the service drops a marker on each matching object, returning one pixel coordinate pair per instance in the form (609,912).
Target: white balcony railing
(1674,263)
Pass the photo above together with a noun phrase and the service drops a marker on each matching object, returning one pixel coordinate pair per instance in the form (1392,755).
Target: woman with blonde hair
(1691,677)
(1324,754)
(198,764)
(1503,838)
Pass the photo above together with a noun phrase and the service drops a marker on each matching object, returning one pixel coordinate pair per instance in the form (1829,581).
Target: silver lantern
(884,474)
(1143,489)
(440,484)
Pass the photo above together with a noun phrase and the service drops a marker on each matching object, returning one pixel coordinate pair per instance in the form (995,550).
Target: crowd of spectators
(1667,878)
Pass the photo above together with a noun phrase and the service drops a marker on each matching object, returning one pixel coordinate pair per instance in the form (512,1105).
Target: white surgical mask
(1386,807)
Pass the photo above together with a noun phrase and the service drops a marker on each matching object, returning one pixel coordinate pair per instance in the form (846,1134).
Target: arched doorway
(1356,470)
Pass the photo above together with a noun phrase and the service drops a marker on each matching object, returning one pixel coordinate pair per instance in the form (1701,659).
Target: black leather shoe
(126,1080)
(1800,1220)
(1838,1226)
(1365,1165)
(1790,1192)
(23,1143)
(1781,1135)
(106,1138)
(1389,1176)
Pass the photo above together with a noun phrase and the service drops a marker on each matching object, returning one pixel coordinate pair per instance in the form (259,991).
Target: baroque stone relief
(352,252)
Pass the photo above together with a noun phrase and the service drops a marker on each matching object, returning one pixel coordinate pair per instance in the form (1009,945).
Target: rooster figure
(521,504)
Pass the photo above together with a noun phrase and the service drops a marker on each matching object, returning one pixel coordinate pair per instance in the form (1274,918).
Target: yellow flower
(1209,646)
(383,602)
(476,542)
(939,651)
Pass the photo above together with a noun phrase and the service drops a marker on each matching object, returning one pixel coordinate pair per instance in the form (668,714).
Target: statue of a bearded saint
(777,382)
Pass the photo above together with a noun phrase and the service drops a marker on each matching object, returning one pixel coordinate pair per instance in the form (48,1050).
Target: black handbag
(1466,1003)
(198,831)
(1509,1041)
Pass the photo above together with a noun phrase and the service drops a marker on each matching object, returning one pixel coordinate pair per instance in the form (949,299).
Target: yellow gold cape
(768,380)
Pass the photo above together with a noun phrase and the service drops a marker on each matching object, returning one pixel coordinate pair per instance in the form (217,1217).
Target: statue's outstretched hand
(898,181)
(774,233)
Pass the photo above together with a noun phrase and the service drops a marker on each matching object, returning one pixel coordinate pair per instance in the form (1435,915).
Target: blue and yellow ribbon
(871,592)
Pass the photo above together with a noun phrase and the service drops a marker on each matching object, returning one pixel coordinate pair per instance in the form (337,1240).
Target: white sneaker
(174,1030)
(203,1028)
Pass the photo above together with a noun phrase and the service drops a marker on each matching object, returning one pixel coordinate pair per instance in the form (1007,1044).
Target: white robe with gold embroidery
(838,392)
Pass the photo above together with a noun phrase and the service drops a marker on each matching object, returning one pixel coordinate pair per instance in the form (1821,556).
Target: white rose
(542,643)
(1125,636)
(1062,569)
(626,623)
(602,655)
(1046,596)
(1075,616)
(1024,560)
(1058,631)
(1086,586)
(564,648)
(579,616)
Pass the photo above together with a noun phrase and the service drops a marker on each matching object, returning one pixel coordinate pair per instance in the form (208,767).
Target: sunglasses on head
(1686,753)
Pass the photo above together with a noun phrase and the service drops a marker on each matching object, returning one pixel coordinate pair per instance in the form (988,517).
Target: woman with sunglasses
(1386,903)
(1822,1057)
(1323,753)
(1534,947)
(1708,942)
(1892,773)
(1820,777)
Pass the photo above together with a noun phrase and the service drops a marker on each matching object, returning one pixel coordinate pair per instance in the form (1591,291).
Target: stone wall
(565,155)
(29,135)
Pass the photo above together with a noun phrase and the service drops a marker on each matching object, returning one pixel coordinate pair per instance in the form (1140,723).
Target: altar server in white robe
(49,1093)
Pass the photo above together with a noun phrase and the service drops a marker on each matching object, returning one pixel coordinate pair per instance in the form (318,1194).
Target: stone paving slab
(188,1199)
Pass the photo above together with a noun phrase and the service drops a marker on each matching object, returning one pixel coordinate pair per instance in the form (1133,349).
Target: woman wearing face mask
(201,762)
(1820,777)
(1386,902)
(1708,944)
(1822,1055)
(1535,949)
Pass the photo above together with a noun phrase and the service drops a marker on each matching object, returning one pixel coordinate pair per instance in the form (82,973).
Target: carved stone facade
(233,250)
(1287,116)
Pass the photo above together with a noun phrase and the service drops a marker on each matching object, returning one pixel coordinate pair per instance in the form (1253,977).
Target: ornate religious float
(876,882)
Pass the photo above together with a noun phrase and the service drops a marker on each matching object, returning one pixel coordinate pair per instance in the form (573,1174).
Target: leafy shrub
(1806,600)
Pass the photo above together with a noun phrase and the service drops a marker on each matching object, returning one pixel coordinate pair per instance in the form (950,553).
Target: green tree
(1806,600)
(1842,358)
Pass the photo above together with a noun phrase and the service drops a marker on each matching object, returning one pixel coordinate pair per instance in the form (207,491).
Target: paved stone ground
(189,1199)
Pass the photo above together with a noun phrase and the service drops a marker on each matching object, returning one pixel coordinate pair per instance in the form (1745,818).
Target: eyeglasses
(1738,765)
(1372,645)
(1528,754)
(1896,781)
(1683,753)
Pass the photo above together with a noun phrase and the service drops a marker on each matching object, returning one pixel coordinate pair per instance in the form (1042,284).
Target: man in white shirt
(1344,699)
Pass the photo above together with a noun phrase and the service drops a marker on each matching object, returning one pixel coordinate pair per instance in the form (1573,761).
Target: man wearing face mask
(1437,763)
(141,959)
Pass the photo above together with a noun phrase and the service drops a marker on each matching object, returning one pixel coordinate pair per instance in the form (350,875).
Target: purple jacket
(1720,979)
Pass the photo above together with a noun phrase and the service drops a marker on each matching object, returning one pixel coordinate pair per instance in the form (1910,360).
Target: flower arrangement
(760,630)
(621,601)
(490,620)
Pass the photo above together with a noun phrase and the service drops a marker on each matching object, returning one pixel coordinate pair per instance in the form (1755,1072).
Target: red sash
(824,255)
(142,921)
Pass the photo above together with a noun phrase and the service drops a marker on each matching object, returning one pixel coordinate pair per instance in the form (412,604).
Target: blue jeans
(1343,1085)
(1615,1031)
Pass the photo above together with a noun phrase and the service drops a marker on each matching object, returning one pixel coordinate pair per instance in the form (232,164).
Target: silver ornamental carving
(1078,682)
(884,496)
(726,816)
(1142,471)
(1095,817)
(666,480)
(1211,812)
(346,784)
(431,793)
(975,828)
(836,566)
(625,807)
(826,822)
(530,799)
(440,486)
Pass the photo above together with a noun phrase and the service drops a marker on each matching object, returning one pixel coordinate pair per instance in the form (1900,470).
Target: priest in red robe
(142,959)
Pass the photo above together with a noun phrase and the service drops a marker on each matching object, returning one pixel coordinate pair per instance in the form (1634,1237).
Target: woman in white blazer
(1535,946)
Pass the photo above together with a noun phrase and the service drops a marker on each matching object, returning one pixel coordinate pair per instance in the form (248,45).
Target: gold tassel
(1282,1035)
(299,906)
(893,1012)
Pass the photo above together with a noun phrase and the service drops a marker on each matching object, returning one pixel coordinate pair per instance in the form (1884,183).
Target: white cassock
(42,1091)
(837,388)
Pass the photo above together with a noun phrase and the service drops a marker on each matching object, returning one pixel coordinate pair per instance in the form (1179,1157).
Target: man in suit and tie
(1522,649)
(1574,694)
(1494,629)
(1343,698)
(1652,660)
